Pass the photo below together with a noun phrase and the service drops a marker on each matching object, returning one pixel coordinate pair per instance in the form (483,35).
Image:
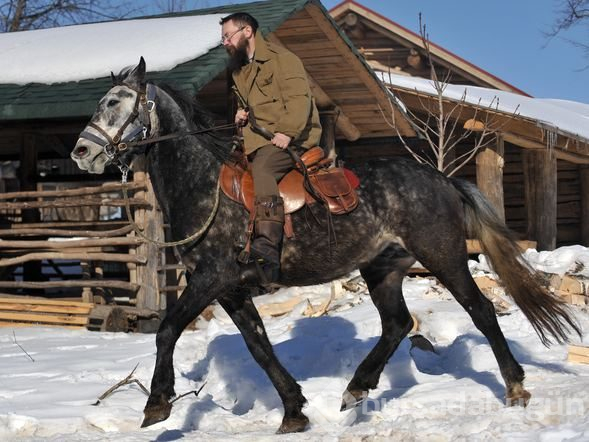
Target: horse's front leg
(192,302)
(245,316)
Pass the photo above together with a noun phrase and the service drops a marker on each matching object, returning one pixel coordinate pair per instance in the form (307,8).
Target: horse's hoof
(351,399)
(517,396)
(293,424)
(156,413)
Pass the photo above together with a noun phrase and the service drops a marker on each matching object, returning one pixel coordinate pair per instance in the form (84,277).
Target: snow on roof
(568,117)
(81,52)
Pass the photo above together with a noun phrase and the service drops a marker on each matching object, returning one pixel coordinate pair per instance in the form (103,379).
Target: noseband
(114,146)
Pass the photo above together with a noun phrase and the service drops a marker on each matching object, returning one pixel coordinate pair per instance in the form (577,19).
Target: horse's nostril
(81,151)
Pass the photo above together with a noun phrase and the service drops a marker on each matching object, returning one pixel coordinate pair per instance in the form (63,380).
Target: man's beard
(238,56)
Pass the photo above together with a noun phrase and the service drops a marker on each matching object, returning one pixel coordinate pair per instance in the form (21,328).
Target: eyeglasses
(226,37)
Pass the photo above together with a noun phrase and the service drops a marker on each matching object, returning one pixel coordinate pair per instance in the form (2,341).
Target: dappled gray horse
(407,211)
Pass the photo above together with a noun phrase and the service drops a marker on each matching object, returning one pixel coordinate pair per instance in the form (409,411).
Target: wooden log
(115,284)
(69,224)
(489,171)
(74,243)
(108,318)
(53,204)
(584,192)
(152,223)
(541,197)
(40,256)
(328,120)
(578,354)
(65,232)
(105,188)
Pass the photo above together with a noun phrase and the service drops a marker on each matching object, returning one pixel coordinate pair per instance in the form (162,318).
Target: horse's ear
(137,75)
(113,78)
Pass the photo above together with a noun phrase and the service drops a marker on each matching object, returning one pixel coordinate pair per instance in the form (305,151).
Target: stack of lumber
(572,289)
(26,312)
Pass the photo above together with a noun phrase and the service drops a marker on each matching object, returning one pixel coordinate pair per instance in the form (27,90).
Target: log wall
(569,194)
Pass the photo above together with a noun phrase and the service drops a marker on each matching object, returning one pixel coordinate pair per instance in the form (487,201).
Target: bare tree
(443,125)
(23,15)
(571,13)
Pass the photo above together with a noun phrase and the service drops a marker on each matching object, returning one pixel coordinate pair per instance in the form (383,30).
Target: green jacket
(275,86)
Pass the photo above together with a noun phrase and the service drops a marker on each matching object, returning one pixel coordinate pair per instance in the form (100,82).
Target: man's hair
(241,19)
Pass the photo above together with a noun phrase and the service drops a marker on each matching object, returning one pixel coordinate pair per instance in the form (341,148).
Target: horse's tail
(548,314)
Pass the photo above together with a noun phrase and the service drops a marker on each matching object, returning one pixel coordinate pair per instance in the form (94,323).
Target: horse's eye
(112,103)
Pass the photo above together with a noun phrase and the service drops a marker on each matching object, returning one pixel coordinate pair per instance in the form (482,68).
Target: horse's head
(121,118)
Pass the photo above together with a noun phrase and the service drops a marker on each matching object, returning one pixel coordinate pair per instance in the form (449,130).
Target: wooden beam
(363,72)
(489,165)
(571,157)
(584,192)
(540,176)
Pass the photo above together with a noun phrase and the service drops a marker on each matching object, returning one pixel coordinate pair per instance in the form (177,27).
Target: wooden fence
(73,252)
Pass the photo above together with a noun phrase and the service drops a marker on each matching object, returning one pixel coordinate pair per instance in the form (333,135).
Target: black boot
(263,267)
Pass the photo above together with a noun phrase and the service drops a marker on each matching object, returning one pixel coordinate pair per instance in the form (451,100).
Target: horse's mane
(217,142)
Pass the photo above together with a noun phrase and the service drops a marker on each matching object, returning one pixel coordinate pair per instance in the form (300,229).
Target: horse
(407,212)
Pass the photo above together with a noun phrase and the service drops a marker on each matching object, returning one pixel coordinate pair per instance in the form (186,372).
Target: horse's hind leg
(447,260)
(384,277)
(245,316)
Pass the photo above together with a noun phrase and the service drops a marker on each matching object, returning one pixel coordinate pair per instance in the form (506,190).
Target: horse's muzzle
(80,152)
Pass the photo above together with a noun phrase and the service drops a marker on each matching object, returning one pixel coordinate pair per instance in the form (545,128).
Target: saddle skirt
(335,185)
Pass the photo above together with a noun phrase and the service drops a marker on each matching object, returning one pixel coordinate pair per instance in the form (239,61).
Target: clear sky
(503,37)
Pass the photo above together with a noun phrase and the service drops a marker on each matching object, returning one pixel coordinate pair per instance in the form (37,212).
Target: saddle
(335,186)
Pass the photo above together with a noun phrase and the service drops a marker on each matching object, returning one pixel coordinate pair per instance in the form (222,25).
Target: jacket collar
(263,52)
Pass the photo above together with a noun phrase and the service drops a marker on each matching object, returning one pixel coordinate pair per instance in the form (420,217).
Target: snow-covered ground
(453,394)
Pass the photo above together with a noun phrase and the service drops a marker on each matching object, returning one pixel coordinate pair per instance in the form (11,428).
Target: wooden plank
(44,308)
(578,354)
(77,283)
(19,299)
(74,243)
(7,324)
(474,245)
(50,319)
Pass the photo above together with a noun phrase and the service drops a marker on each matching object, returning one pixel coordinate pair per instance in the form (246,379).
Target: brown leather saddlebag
(335,188)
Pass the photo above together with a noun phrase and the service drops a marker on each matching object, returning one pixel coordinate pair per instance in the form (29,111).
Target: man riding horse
(272,82)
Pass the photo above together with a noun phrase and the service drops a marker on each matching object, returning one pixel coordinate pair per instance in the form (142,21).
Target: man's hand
(241,117)
(281,140)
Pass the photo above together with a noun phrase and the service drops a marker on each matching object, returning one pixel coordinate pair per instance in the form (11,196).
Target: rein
(138,231)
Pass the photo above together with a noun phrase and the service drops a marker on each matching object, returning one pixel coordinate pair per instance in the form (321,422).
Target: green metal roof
(78,98)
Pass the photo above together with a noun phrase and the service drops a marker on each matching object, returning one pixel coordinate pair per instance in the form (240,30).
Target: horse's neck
(184,173)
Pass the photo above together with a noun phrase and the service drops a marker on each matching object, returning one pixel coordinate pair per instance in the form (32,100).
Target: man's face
(235,42)
(233,37)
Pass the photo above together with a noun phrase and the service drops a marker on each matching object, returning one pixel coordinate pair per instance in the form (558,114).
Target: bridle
(114,146)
